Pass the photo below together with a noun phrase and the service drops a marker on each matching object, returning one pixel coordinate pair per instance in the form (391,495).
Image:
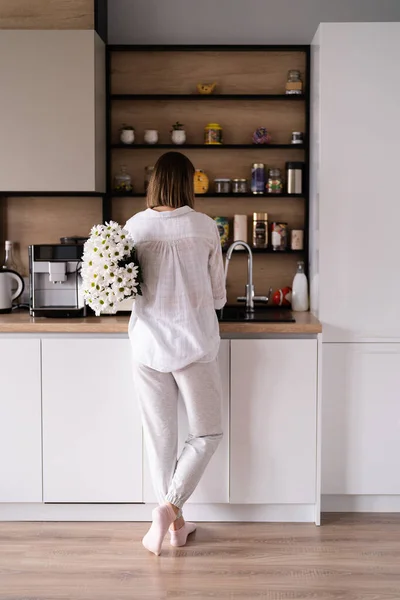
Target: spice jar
(294,85)
(260,230)
(148,172)
(239,186)
(275,182)
(223,229)
(297,239)
(279,236)
(297,137)
(222,186)
(123,181)
(201,182)
(213,134)
(258,178)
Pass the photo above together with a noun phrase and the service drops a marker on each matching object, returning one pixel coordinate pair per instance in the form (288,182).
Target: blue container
(258,178)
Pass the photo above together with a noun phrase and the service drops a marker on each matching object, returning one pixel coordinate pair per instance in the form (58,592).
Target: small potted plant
(178,134)
(127,134)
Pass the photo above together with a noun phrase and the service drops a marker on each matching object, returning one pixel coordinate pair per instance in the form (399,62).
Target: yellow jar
(201,182)
(213,134)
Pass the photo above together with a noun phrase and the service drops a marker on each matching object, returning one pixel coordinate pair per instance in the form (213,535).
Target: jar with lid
(239,186)
(297,137)
(260,230)
(123,181)
(213,134)
(275,182)
(201,182)
(258,178)
(222,186)
(148,172)
(279,232)
(294,84)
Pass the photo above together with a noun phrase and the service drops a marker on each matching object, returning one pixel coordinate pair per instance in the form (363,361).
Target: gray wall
(236,21)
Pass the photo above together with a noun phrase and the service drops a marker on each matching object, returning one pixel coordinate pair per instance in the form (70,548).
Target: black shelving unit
(304,98)
(205,97)
(268,251)
(214,195)
(258,147)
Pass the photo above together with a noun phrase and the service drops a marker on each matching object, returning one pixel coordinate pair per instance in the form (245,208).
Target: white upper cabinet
(361,419)
(20,421)
(52,111)
(92,433)
(273,421)
(355,207)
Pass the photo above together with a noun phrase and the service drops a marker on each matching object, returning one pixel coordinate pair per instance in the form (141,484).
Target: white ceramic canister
(178,136)
(151,136)
(127,136)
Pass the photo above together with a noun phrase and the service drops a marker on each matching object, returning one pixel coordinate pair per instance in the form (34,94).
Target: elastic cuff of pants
(174,500)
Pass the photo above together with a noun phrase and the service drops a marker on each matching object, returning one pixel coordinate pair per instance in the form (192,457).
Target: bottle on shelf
(300,290)
(9,260)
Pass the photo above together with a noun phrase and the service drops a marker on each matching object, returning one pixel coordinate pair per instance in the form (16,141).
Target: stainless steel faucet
(250,297)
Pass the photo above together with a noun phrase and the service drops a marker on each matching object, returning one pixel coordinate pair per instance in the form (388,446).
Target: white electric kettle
(7,295)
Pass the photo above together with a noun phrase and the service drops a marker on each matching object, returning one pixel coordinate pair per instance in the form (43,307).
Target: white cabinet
(92,437)
(52,111)
(214,485)
(20,421)
(361,419)
(273,421)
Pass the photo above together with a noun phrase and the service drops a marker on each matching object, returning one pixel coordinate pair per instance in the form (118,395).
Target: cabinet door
(214,485)
(92,438)
(20,421)
(273,421)
(361,419)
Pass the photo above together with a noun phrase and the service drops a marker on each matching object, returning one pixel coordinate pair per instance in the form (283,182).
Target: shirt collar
(165,214)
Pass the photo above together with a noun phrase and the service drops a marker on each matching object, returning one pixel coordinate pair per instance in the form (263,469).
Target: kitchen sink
(262,314)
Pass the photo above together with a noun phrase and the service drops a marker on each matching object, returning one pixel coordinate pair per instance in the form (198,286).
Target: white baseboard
(285,513)
(358,503)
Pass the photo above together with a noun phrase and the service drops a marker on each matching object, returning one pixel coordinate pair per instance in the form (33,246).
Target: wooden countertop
(21,322)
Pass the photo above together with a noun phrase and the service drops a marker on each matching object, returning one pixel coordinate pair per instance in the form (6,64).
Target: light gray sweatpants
(199,384)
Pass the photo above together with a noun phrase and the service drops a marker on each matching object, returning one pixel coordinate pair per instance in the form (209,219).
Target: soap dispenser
(300,290)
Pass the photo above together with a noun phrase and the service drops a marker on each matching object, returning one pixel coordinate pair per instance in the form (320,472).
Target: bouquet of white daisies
(110,270)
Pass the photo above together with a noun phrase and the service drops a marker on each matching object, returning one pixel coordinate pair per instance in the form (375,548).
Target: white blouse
(174,323)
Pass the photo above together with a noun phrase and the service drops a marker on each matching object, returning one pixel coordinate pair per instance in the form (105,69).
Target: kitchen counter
(21,322)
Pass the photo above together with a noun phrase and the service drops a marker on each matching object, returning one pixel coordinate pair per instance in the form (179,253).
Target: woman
(175,340)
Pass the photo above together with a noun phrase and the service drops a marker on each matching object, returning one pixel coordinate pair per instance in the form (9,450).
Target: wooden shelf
(209,146)
(55,194)
(205,97)
(214,195)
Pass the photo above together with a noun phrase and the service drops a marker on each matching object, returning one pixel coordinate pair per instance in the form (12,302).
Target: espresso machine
(55,284)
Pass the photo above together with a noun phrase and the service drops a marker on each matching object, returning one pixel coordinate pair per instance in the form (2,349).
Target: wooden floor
(348,558)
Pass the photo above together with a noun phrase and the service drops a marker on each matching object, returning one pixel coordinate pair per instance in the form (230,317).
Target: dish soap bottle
(300,290)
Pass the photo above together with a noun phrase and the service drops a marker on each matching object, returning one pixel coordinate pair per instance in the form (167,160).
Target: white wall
(356,107)
(235,21)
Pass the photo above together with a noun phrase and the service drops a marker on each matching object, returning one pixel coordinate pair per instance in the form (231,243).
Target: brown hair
(172,182)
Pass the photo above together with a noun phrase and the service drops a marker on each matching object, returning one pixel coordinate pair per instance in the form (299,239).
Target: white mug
(6,294)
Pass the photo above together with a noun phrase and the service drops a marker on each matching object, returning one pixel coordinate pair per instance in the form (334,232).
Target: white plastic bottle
(300,290)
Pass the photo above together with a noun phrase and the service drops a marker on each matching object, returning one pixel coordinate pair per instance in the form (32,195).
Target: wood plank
(43,220)
(351,557)
(21,322)
(47,14)
(237,72)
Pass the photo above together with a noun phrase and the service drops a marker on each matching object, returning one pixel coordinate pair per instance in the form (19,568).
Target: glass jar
(222,186)
(223,230)
(297,137)
(148,172)
(279,232)
(275,182)
(201,182)
(260,230)
(239,186)
(258,178)
(294,85)
(213,134)
(123,181)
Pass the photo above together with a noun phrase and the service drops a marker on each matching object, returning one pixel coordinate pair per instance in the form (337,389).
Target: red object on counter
(282,297)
